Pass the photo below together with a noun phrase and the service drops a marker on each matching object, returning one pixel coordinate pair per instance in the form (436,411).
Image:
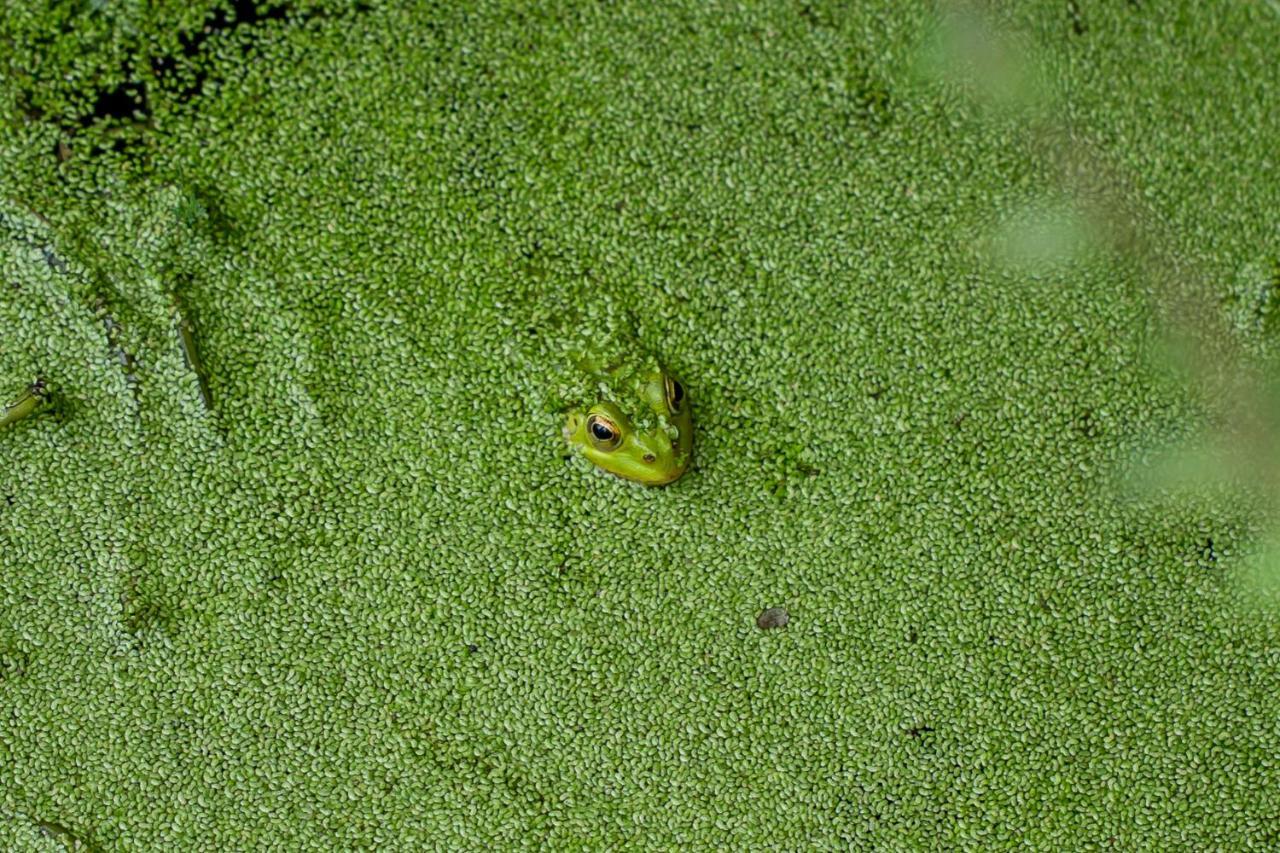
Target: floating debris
(774,617)
(187,339)
(31,401)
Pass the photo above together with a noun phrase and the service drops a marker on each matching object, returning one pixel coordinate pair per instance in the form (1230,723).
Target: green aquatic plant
(30,401)
(376,600)
(190,351)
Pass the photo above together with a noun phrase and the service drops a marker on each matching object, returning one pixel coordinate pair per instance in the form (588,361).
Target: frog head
(640,426)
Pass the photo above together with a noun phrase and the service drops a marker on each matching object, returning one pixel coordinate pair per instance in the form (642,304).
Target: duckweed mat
(317,573)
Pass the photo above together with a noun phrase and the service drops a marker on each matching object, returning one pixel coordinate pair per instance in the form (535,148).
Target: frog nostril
(650,458)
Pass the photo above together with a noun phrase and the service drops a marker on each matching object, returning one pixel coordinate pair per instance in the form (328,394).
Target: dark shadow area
(182,75)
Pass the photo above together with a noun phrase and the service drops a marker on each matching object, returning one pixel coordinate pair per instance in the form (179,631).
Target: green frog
(633,419)
(623,411)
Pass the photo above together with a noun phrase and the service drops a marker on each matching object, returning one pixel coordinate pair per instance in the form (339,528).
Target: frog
(631,418)
(593,363)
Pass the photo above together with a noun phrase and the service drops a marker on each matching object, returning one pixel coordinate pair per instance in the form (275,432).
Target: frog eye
(675,394)
(604,435)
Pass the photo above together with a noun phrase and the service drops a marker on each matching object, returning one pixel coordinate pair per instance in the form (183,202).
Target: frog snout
(651,449)
(571,425)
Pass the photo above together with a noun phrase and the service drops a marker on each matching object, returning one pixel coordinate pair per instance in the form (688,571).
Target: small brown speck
(774,617)
(64,151)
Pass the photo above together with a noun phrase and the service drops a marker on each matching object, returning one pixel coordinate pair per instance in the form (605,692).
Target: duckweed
(259,631)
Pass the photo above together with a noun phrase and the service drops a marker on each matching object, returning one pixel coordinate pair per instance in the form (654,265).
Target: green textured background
(367,602)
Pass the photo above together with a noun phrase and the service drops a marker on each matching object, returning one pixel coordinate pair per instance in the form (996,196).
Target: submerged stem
(187,339)
(30,401)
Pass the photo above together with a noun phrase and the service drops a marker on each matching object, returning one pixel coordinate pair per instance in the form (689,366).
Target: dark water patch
(125,105)
(1077,19)
(193,75)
